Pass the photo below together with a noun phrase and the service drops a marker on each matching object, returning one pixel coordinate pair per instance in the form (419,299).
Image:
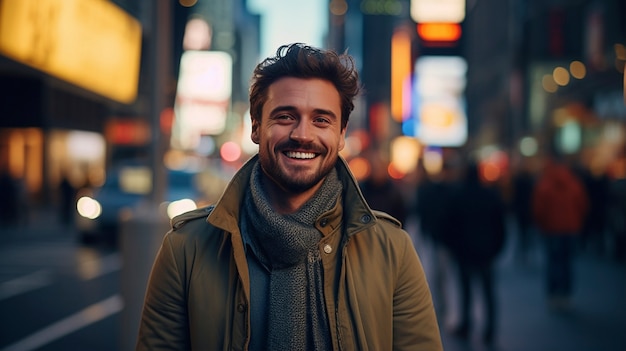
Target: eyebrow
(317,111)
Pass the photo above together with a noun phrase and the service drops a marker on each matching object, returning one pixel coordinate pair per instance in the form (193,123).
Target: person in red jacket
(559,206)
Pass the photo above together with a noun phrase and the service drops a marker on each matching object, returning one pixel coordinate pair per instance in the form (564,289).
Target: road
(56,294)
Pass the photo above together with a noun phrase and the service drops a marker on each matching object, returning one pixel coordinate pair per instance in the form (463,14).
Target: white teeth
(300,155)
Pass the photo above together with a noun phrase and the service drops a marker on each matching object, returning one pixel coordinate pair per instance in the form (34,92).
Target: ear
(342,138)
(255,131)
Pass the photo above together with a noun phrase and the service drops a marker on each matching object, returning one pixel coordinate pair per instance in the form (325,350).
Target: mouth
(297,155)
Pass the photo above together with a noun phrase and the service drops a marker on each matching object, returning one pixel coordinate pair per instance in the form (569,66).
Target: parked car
(99,212)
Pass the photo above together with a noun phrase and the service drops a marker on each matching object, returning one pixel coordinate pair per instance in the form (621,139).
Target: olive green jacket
(377,296)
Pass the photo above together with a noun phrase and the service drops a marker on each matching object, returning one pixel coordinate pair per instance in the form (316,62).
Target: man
(291,257)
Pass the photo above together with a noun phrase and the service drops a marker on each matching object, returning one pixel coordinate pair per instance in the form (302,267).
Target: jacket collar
(225,215)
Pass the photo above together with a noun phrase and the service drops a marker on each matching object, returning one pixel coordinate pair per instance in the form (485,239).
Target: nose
(302,132)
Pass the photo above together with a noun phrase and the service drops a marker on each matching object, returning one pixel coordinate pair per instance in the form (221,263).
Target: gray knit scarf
(288,245)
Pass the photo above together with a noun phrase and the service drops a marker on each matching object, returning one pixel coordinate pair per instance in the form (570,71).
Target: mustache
(294,145)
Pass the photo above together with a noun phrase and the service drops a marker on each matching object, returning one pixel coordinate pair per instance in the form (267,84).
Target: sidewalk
(596,319)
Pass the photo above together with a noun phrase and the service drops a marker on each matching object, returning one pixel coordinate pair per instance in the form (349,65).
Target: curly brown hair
(302,61)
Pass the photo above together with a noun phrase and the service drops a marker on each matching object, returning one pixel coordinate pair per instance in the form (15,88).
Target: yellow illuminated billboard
(90,43)
(440,100)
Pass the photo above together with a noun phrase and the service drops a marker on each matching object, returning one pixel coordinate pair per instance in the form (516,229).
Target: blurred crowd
(553,208)
(598,225)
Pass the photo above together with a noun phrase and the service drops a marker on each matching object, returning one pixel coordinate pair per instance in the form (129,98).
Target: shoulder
(382,246)
(191,230)
(387,219)
(198,215)
(387,230)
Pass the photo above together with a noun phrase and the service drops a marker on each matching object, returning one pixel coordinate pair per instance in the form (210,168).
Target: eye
(322,120)
(283,117)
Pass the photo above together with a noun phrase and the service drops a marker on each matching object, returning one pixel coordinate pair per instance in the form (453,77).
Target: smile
(300,155)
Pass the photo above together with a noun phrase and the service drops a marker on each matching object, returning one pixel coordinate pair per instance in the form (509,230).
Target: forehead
(303,94)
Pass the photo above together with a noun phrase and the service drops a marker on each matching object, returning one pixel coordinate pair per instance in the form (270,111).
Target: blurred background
(117,115)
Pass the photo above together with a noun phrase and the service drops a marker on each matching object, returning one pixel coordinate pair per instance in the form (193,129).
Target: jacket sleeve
(164,319)
(414,321)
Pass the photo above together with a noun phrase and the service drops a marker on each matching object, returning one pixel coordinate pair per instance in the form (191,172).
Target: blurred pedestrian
(617,216)
(68,199)
(475,235)
(593,236)
(380,191)
(559,206)
(523,183)
(291,257)
(10,199)
(431,199)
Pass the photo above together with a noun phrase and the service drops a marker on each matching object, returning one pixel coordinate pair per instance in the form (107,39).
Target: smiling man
(299,136)
(291,257)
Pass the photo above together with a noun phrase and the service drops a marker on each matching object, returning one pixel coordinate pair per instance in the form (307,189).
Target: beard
(296,181)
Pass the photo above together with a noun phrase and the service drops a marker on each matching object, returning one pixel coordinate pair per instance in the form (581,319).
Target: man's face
(300,133)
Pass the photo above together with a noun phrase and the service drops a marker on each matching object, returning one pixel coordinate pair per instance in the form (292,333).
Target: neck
(284,201)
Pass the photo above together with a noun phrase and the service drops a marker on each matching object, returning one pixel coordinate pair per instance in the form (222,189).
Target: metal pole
(142,233)
(161,52)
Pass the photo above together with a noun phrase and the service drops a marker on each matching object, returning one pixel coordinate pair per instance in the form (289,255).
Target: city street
(117,116)
(56,294)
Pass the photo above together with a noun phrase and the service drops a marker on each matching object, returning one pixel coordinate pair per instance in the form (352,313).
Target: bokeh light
(560,76)
(577,69)
(230,151)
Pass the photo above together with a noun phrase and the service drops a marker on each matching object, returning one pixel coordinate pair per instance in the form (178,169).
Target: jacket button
(324,222)
(241,308)
(328,249)
(366,218)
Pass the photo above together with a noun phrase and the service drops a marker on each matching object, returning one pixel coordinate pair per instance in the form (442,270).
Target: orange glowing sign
(439,32)
(400,74)
(120,131)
